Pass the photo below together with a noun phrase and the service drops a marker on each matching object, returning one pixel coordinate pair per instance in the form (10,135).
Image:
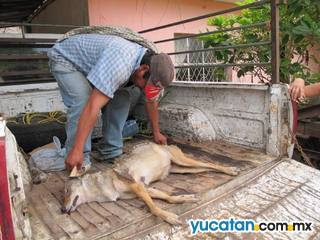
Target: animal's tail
(179,158)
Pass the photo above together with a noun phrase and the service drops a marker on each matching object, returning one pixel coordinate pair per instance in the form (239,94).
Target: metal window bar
(214,32)
(203,60)
(222,48)
(223,65)
(188,60)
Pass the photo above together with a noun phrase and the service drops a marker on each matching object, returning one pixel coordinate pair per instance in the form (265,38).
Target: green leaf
(299,31)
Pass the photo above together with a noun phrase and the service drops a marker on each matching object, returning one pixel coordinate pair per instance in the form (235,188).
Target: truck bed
(123,218)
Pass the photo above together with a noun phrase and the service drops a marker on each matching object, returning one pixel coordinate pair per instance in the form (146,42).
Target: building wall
(142,14)
(63,12)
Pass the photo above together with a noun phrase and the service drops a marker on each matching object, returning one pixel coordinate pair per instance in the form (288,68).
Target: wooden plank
(162,203)
(163,187)
(89,228)
(92,217)
(99,209)
(112,219)
(117,210)
(135,203)
(46,217)
(217,178)
(181,186)
(133,210)
(38,228)
(56,186)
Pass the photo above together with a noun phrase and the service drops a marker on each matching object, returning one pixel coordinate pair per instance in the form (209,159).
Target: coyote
(131,175)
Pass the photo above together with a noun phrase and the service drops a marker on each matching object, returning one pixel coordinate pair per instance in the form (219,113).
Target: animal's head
(73,195)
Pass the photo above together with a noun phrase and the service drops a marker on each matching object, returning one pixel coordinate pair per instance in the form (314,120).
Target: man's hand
(74,158)
(159,138)
(152,110)
(296,89)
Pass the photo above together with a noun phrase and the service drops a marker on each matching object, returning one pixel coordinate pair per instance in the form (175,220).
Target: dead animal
(132,174)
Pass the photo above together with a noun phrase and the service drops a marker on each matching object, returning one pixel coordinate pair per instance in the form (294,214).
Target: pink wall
(143,14)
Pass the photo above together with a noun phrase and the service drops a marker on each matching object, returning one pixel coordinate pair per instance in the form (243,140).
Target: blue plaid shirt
(107,61)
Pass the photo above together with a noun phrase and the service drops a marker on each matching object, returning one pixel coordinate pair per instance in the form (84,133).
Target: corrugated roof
(21,10)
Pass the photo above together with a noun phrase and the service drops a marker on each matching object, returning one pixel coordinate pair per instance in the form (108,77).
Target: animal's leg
(178,169)
(180,159)
(142,193)
(155,193)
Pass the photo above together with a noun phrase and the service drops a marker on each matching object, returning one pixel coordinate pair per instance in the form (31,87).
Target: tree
(299,31)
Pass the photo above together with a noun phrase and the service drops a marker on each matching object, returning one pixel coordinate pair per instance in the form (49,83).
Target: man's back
(107,61)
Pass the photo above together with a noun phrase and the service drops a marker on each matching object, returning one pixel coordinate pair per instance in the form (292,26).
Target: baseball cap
(161,70)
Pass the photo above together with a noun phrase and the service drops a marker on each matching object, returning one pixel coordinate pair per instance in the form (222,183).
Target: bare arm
(298,89)
(152,111)
(86,122)
(312,90)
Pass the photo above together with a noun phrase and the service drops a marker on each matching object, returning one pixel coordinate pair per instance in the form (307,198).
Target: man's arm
(86,122)
(152,111)
(298,89)
(312,90)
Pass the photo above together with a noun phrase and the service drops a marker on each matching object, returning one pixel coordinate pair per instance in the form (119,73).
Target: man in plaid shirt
(93,72)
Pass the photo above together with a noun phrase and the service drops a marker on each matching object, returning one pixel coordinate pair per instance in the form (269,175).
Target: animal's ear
(78,173)
(75,173)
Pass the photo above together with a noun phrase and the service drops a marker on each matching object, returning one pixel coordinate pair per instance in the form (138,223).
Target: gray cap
(161,70)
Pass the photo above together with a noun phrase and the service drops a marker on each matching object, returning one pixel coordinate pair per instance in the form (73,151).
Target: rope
(31,118)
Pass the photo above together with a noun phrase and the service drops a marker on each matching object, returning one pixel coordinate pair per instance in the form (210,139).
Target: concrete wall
(64,12)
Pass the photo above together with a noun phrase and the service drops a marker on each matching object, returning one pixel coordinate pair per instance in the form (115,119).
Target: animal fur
(131,176)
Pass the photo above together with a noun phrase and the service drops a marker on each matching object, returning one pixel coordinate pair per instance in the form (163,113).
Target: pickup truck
(247,126)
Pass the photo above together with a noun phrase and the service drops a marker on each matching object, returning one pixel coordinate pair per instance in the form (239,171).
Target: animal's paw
(184,198)
(170,218)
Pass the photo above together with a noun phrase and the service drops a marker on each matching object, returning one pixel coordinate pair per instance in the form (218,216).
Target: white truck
(248,126)
(243,125)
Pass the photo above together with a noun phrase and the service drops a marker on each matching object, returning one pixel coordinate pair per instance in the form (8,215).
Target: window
(196,74)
